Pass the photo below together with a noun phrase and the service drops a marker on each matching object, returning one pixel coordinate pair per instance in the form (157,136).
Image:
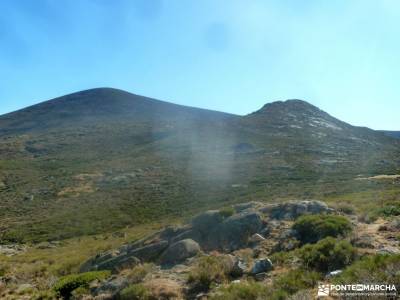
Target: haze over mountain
(101,159)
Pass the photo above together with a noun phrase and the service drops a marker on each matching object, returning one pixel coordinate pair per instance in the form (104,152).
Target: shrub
(241,291)
(284,286)
(139,272)
(208,270)
(65,285)
(294,281)
(368,218)
(282,258)
(346,209)
(135,292)
(313,228)
(372,269)
(327,255)
(390,210)
(226,212)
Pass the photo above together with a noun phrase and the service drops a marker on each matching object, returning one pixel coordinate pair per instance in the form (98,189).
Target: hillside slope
(98,160)
(395,134)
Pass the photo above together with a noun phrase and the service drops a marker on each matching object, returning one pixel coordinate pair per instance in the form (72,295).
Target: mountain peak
(290,104)
(295,113)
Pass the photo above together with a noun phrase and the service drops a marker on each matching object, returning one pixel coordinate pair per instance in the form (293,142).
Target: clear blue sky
(227,55)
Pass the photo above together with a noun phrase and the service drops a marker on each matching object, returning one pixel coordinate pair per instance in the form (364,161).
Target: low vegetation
(328,254)
(294,281)
(391,209)
(373,269)
(247,290)
(312,228)
(67,284)
(209,270)
(282,288)
(135,292)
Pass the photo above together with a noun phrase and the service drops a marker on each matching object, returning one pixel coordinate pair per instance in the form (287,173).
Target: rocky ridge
(263,228)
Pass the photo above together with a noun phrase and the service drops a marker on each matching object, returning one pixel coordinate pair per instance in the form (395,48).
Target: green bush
(135,292)
(312,228)
(65,285)
(226,212)
(242,291)
(294,281)
(328,254)
(346,209)
(390,210)
(375,268)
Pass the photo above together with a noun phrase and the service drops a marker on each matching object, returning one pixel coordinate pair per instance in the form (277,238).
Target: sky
(227,55)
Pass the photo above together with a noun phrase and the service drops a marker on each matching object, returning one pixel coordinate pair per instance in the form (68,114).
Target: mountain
(395,134)
(98,160)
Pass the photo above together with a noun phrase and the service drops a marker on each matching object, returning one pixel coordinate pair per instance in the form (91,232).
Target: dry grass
(41,267)
(164,289)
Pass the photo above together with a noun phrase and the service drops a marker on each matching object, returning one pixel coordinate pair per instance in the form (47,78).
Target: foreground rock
(125,257)
(180,251)
(293,209)
(234,232)
(249,226)
(262,266)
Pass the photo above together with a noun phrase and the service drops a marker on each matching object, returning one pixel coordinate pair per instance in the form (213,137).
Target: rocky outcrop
(122,258)
(234,232)
(179,252)
(250,226)
(293,209)
(207,220)
(149,252)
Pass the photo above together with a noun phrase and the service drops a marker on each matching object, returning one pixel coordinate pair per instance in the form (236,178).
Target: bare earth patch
(379,177)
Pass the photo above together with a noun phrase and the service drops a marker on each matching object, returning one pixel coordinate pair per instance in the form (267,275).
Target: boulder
(110,261)
(189,234)
(120,259)
(238,268)
(93,263)
(179,252)
(149,252)
(171,232)
(234,232)
(206,221)
(293,209)
(262,266)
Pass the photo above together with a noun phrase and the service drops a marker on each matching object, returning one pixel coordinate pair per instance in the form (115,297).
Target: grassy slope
(81,168)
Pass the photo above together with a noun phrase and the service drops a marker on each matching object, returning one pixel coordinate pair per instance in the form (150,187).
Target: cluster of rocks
(12,249)
(249,224)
